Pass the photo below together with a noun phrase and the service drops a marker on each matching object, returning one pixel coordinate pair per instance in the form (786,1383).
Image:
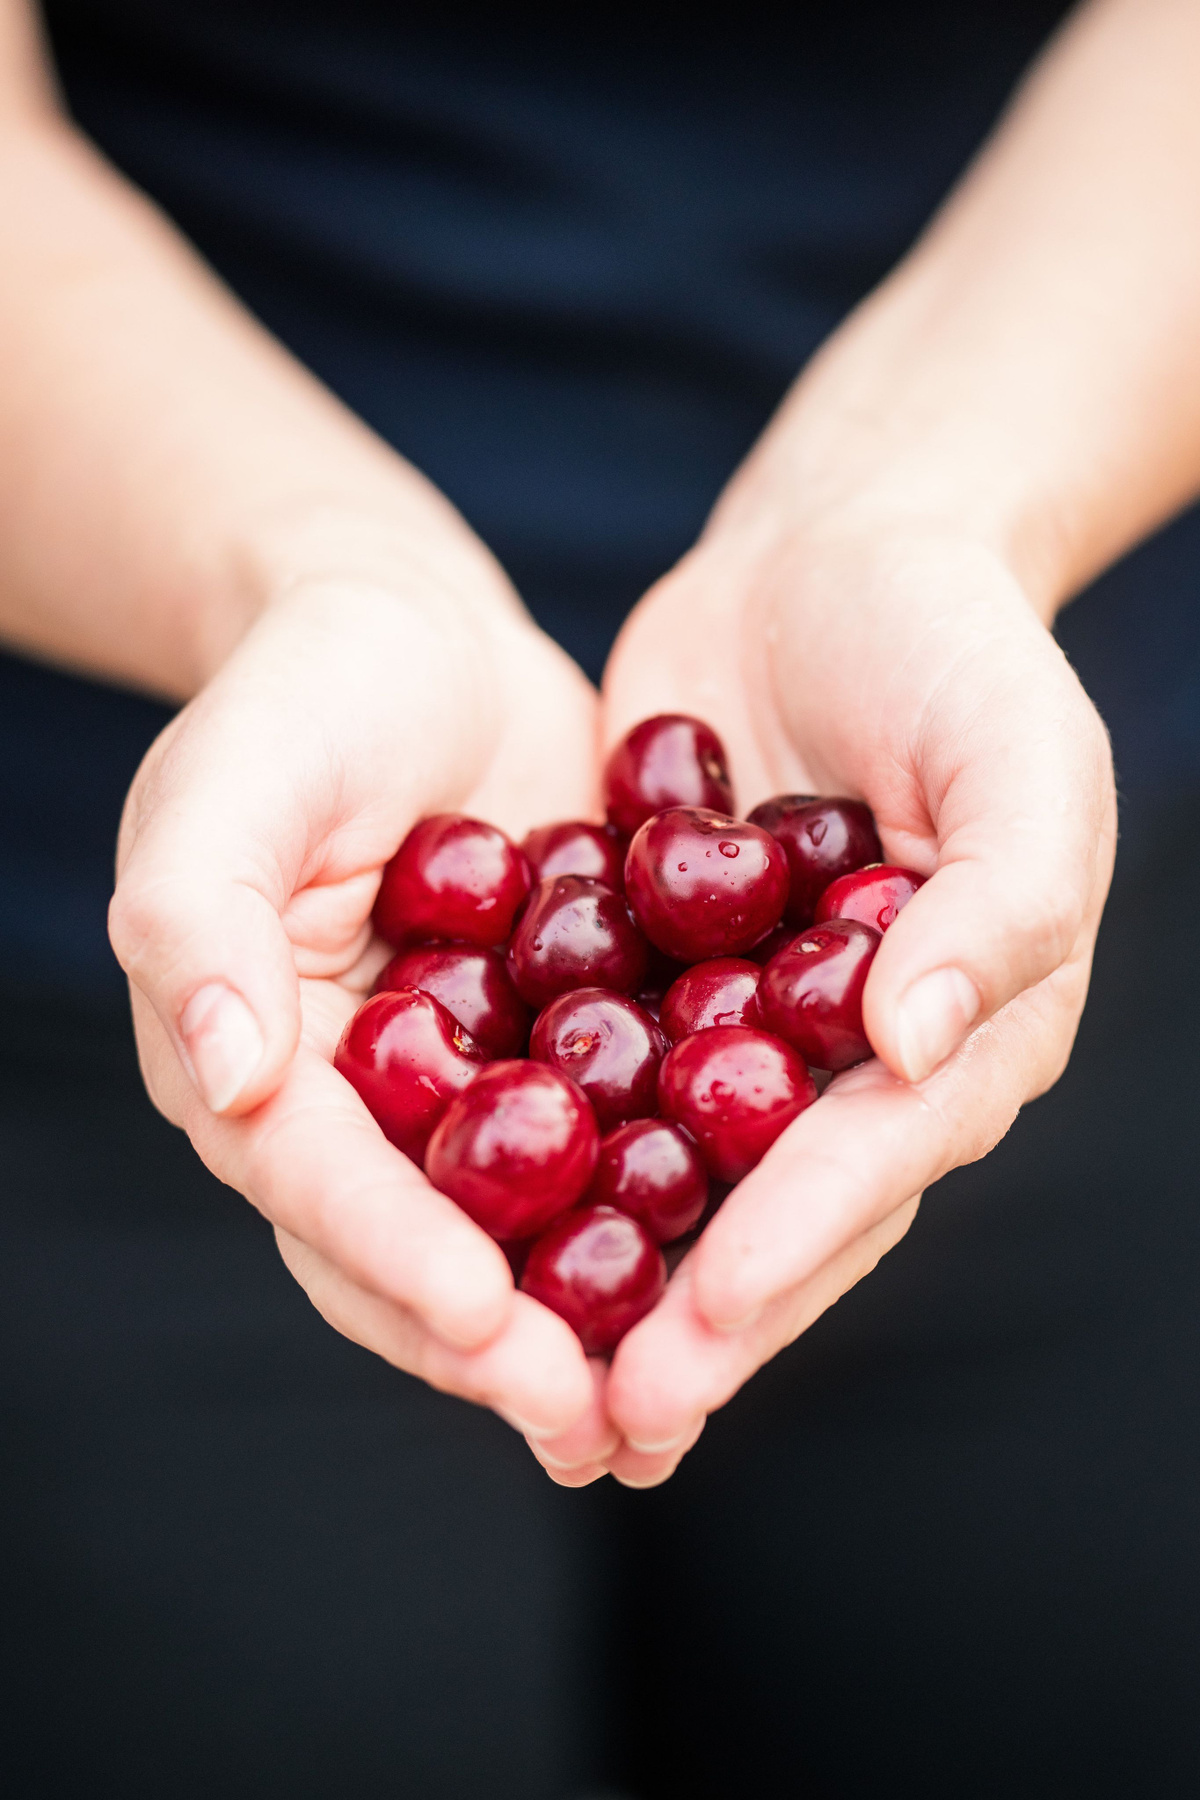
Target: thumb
(196,919)
(1026,827)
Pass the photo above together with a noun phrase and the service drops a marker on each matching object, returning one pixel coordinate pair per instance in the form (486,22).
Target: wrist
(897,427)
(403,558)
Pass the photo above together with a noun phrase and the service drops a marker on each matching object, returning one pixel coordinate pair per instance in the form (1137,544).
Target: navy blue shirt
(565,261)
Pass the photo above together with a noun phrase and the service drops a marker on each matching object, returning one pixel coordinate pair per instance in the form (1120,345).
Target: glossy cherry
(767,947)
(734,1090)
(653,1171)
(516,1149)
(576,848)
(452,878)
(720,992)
(600,1271)
(473,985)
(608,1045)
(811,993)
(873,895)
(408,1058)
(670,760)
(701,884)
(575,933)
(823,839)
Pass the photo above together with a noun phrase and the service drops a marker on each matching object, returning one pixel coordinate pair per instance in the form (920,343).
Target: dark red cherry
(701,884)
(720,992)
(823,839)
(575,933)
(734,1090)
(609,1046)
(452,878)
(669,760)
(651,1170)
(774,941)
(408,1058)
(600,1271)
(811,993)
(516,1149)
(873,895)
(577,848)
(473,986)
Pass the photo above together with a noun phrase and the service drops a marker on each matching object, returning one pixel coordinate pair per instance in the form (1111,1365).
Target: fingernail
(564,1465)
(576,1478)
(674,1443)
(533,1432)
(553,1462)
(223,1041)
(933,1018)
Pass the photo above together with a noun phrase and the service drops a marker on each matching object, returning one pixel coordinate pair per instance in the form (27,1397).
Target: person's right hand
(250,854)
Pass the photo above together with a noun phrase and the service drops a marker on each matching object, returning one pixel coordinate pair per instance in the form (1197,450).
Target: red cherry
(720,992)
(823,839)
(873,895)
(577,848)
(701,884)
(472,985)
(452,877)
(518,1148)
(609,1046)
(575,933)
(769,946)
(669,760)
(811,993)
(734,1090)
(651,1170)
(600,1271)
(408,1058)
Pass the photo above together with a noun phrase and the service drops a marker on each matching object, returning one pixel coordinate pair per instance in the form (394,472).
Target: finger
(642,1469)
(314,1162)
(533,1372)
(1025,822)
(576,1478)
(592,1439)
(870,1142)
(673,1369)
(288,773)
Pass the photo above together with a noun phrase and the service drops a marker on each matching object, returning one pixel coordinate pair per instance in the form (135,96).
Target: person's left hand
(894,659)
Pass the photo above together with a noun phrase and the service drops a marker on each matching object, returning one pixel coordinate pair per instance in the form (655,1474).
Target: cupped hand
(884,657)
(250,855)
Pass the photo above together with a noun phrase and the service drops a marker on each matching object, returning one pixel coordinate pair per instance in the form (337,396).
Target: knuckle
(1056,922)
(161,1093)
(138,920)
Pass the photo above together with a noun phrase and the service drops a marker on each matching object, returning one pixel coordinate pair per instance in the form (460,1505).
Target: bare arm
(166,468)
(188,511)
(1031,372)
(865,613)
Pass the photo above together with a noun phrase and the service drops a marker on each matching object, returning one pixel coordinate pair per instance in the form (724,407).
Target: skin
(866,612)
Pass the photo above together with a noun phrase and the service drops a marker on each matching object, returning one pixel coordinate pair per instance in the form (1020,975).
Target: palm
(253,842)
(921,681)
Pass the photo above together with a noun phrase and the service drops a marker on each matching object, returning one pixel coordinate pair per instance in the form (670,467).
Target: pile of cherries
(588,1039)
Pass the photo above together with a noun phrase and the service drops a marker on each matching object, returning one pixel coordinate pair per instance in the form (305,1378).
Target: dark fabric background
(943,1546)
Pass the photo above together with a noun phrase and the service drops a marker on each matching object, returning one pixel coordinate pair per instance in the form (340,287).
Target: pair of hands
(871,653)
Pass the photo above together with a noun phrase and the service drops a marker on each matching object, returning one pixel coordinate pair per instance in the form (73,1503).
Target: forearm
(1031,373)
(166,467)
